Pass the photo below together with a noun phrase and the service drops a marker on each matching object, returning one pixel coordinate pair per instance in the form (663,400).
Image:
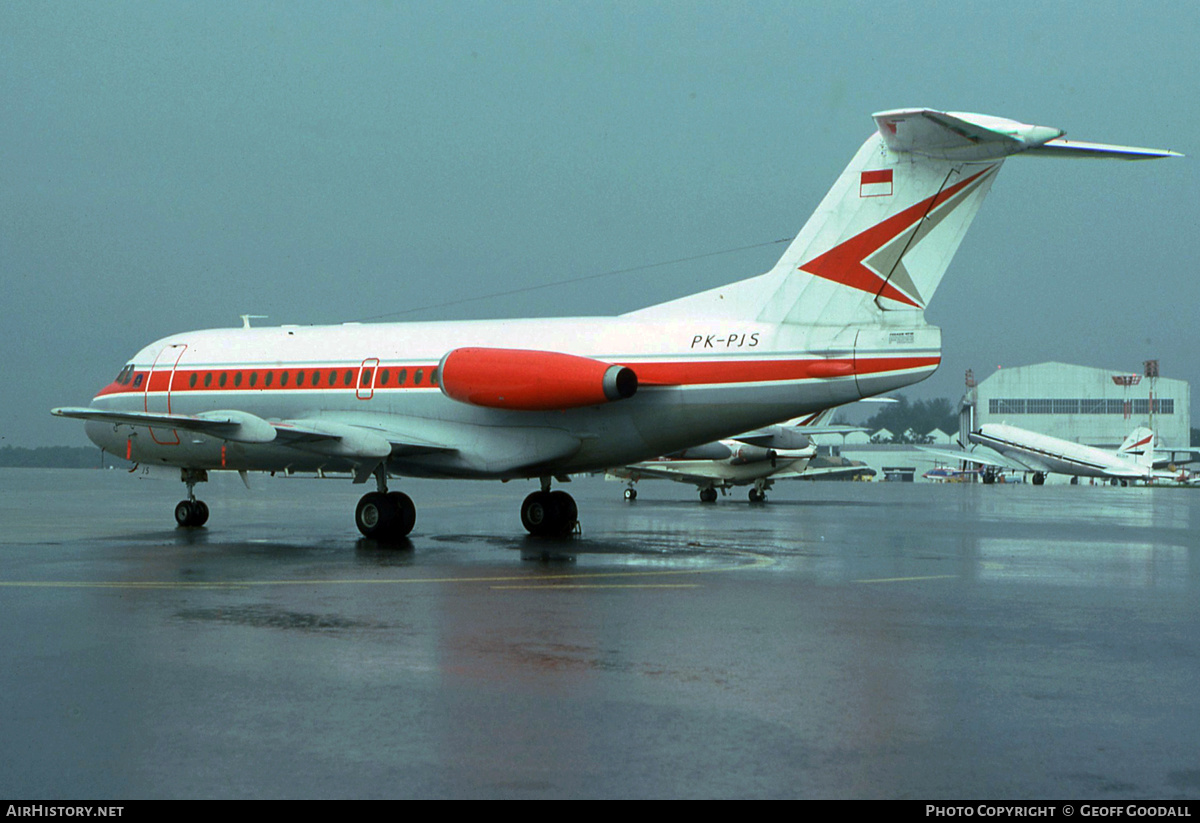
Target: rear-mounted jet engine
(532,380)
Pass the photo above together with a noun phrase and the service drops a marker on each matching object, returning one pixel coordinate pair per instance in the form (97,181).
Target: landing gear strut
(192,513)
(382,515)
(549,514)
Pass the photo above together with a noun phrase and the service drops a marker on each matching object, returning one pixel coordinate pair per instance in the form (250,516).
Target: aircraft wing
(1124,474)
(997,461)
(326,437)
(710,472)
(637,471)
(239,427)
(820,467)
(358,437)
(1174,457)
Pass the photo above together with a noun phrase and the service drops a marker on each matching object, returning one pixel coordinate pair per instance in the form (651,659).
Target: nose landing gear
(192,513)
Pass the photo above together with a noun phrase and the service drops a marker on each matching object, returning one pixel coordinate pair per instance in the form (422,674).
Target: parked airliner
(839,317)
(1015,449)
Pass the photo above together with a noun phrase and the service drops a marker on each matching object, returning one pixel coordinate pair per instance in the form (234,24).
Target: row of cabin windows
(313,378)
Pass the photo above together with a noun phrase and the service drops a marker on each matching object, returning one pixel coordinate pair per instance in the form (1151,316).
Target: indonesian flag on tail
(876,183)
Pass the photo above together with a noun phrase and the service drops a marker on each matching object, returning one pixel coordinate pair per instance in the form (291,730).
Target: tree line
(910,422)
(58,457)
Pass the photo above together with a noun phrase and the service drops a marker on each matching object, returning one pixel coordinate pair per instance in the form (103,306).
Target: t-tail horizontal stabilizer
(967,136)
(883,237)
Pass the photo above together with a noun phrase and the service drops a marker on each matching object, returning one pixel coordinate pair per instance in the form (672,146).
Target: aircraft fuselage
(698,381)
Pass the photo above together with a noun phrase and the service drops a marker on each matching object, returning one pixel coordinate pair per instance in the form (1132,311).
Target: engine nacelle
(743,453)
(532,380)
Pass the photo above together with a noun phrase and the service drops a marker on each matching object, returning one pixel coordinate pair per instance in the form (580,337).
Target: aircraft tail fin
(816,420)
(1139,445)
(882,238)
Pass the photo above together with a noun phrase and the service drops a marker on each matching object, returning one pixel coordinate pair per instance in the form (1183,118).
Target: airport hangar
(1095,407)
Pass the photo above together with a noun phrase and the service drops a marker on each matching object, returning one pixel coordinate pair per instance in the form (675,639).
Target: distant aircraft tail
(882,238)
(1139,445)
(814,421)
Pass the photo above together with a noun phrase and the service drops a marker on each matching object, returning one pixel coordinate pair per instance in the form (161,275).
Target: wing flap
(353,440)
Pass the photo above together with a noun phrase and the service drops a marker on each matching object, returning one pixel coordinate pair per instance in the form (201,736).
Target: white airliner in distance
(839,317)
(756,459)
(1027,451)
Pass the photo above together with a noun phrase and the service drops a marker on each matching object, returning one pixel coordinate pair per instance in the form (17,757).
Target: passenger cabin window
(268,379)
(299,378)
(283,378)
(221,381)
(418,377)
(237,379)
(192,380)
(365,380)
(253,379)
(433,377)
(384,377)
(348,377)
(207,379)
(402,377)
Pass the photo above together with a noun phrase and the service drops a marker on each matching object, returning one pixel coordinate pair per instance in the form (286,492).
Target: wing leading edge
(324,437)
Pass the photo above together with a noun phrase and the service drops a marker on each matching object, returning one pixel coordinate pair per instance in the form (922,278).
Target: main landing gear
(549,514)
(758,492)
(382,515)
(708,495)
(192,513)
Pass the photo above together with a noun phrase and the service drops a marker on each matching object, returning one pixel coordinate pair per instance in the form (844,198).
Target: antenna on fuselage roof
(246,318)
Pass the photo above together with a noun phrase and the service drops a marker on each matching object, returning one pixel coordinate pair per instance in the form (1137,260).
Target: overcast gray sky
(170,166)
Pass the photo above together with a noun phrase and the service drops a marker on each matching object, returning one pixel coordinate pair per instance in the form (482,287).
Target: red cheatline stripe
(674,373)
(760,371)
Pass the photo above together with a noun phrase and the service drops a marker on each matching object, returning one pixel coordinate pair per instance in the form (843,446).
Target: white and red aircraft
(756,459)
(839,317)
(1041,454)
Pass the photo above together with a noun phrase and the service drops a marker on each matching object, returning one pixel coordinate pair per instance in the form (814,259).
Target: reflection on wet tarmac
(843,640)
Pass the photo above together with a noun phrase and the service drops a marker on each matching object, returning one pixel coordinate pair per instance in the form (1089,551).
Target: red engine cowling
(532,380)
